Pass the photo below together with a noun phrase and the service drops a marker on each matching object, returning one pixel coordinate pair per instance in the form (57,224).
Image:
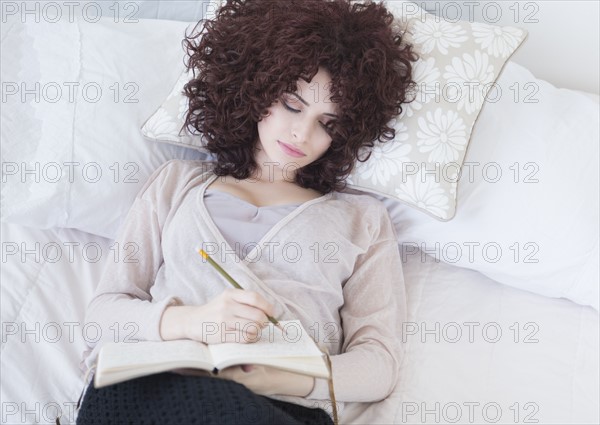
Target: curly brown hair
(254,50)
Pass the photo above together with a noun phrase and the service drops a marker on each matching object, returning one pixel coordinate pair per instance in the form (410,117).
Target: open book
(293,351)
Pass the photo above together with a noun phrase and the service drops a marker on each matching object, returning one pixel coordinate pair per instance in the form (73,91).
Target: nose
(301,130)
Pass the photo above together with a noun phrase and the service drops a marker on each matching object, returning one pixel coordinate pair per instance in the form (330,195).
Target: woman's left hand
(266,380)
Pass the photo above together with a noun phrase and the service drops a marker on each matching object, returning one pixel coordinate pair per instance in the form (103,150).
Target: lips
(290,150)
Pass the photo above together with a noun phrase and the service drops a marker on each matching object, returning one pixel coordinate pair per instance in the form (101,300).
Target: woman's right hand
(235,315)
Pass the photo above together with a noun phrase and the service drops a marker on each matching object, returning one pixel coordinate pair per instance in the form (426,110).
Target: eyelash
(327,129)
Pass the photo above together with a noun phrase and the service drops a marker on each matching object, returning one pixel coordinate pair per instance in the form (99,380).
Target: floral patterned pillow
(458,65)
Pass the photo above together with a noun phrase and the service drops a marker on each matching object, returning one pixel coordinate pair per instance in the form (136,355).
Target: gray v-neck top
(241,223)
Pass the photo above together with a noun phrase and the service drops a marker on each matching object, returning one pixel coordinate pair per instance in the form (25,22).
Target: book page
(117,356)
(273,343)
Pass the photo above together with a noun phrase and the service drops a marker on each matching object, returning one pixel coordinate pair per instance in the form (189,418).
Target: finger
(252,314)
(242,326)
(241,331)
(254,299)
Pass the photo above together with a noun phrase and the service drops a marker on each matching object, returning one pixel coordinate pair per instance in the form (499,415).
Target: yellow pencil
(231,280)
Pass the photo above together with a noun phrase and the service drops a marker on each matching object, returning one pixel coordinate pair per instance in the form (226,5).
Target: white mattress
(545,373)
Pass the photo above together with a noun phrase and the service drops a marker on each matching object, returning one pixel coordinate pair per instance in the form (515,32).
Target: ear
(266,115)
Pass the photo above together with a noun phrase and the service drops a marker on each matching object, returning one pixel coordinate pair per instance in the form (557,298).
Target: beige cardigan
(331,263)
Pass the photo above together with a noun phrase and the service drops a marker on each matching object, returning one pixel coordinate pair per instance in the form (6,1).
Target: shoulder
(360,201)
(365,210)
(183,167)
(174,175)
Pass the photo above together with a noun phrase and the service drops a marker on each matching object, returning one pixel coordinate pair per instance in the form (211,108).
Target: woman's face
(297,120)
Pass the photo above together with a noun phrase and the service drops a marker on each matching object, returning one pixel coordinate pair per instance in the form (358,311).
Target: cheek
(276,113)
(325,144)
(274,121)
(264,123)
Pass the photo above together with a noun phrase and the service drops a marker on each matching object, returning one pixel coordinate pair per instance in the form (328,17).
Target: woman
(288,95)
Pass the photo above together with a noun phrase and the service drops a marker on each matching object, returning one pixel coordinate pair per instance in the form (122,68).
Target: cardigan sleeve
(122,306)
(367,368)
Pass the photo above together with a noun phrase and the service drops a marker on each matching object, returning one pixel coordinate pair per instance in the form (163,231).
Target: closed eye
(325,126)
(289,108)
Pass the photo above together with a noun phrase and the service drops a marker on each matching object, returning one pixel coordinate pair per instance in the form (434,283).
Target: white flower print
(467,79)
(427,76)
(441,35)
(442,134)
(426,194)
(386,158)
(498,41)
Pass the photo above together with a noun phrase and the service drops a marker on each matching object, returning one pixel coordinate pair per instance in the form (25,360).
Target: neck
(272,172)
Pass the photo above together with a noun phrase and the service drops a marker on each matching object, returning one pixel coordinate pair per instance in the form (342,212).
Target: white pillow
(541,212)
(458,64)
(96,84)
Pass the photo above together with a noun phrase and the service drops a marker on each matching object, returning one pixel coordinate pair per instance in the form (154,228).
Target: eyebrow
(306,103)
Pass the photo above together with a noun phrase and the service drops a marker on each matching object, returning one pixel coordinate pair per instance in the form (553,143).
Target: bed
(488,338)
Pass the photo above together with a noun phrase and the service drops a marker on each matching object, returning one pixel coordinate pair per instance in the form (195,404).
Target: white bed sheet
(553,380)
